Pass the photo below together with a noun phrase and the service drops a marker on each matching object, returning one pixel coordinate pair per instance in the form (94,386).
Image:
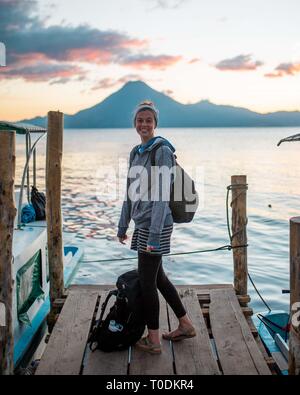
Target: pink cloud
(151,61)
(42,71)
(107,83)
(284,69)
(93,55)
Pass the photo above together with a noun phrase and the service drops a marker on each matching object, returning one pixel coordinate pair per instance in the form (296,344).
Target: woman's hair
(146,105)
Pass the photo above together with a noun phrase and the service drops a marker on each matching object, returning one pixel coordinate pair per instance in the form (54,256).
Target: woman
(153,226)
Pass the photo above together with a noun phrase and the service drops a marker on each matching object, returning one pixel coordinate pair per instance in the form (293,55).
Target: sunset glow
(67,56)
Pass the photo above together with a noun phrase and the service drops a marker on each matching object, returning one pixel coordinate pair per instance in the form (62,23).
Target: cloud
(160,62)
(43,72)
(168,92)
(284,69)
(194,60)
(39,53)
(238,63)
(107,83)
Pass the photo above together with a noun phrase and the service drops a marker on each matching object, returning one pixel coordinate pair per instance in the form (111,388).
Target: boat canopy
(295,137)
(21,128)
(27,130)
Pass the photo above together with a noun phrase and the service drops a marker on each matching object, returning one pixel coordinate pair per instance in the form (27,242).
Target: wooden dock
(226,342)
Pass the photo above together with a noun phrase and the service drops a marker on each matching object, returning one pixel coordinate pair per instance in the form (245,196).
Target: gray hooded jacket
(139,204)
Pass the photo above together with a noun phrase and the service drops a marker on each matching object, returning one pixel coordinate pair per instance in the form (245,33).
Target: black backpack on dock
(124,325)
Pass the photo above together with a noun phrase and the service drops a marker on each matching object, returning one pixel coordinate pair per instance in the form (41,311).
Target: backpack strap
(132,154)
(91,340)
(104,304)
(153,152)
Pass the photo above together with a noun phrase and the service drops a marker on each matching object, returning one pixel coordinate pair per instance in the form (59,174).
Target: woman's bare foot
(153,335)
(185,330)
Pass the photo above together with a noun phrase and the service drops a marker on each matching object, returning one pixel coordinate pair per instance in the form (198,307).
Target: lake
(94,169)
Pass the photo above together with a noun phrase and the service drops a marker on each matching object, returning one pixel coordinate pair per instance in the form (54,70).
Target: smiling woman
(153,227)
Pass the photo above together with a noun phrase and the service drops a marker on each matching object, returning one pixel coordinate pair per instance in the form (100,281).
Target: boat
(31,301)
(294,137)
(273,329)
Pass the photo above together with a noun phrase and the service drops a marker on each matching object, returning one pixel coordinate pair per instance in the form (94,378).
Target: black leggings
(153,277)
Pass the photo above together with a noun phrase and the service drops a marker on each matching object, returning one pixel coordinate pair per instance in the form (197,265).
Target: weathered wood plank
(205,298)
(7,217)
(105,363)
(65,350)
(239,232)
(247,311)
(195,355)
(237,350)
(143,363)
(294,339)
(204,288)
(53,206)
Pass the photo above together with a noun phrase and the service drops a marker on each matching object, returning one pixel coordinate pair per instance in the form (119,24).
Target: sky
(69,55)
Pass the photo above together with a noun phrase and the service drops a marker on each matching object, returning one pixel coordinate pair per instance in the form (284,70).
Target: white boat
(31,302)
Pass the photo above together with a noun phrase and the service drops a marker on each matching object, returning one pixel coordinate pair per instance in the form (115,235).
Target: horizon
(139,81)
(58,56)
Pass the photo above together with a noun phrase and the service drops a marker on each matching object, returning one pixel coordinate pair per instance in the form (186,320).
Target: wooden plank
(252,326)
(7,218)
(237,350)
(281,362)
(195,355)
(247,311)
(105,363)
(143,363)
(65,350)
(205,298)
(204,288)
(294,338)
(239,232)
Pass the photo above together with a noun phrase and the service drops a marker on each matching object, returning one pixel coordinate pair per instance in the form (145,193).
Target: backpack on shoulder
(124,324)
(184,199)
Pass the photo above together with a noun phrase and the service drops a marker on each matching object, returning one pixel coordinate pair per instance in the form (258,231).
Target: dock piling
(239,232)
(7,217)
(294,341)
(53,208)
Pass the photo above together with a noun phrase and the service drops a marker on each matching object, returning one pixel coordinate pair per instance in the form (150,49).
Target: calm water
(94,165)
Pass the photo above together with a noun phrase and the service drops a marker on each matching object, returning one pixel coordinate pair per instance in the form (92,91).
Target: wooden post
(53,209)
(239,232)
(294,340)
(7,217)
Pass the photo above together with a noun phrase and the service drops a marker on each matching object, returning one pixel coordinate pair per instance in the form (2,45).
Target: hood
(154,142)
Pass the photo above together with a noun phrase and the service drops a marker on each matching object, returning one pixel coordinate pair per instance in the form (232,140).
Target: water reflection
(91,202)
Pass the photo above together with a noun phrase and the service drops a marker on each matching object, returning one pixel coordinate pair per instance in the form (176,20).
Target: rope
(223,248)
(244,187)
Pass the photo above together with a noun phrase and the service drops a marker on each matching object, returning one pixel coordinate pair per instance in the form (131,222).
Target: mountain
(116,112)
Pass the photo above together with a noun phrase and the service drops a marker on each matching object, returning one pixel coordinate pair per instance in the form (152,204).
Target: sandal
(182,334)
(146,345)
